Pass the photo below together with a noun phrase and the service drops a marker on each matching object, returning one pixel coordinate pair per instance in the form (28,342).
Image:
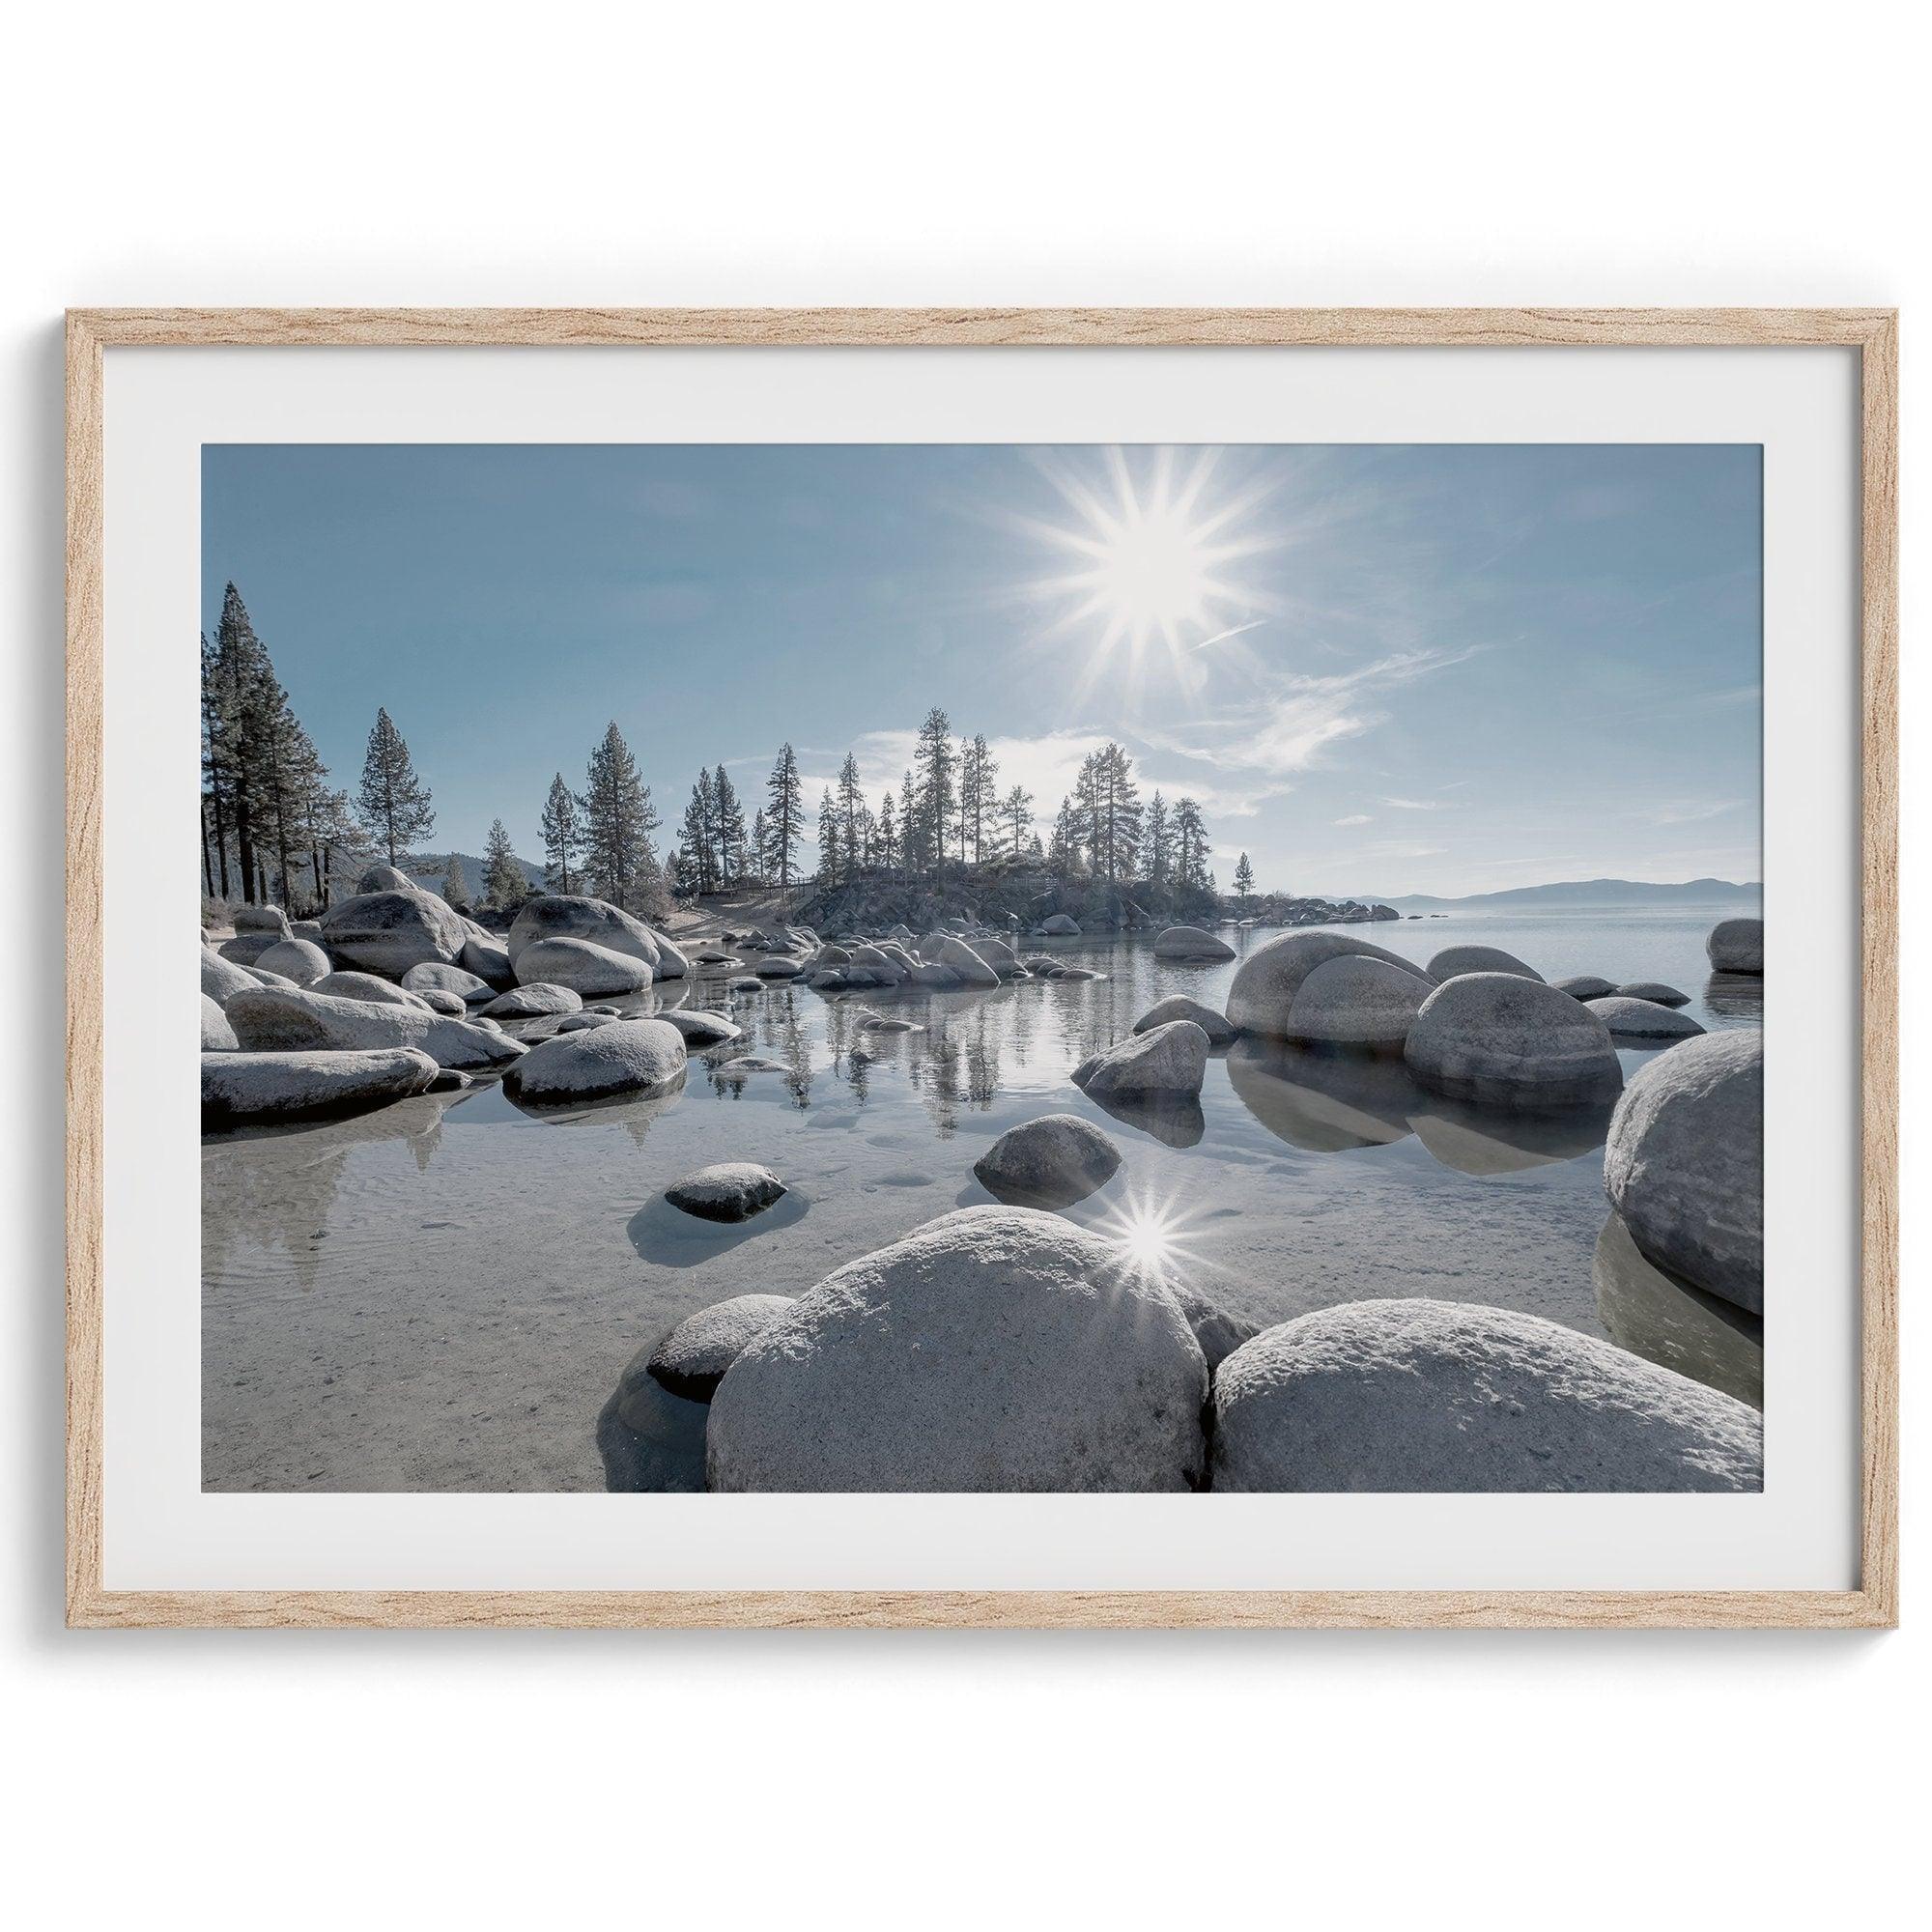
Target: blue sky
(1382,670)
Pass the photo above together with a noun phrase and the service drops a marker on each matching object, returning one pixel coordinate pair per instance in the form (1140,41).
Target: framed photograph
(998,968)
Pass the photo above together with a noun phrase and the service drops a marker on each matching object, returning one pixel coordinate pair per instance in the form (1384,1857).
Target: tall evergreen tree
(912,858)
(506,885)
(851,817)
(731,837)
(785,818)
(754,868)
(700,835)
(1244,878)
(1017,819)
(980,802)
(831,841)
(886,845)
(1116,832)
(936,764)
(620,863)
(1190,845)
(1158,846)
(394,804)
(563,835)
(455,887)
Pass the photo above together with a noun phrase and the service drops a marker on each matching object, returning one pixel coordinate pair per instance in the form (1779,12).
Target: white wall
(982,153)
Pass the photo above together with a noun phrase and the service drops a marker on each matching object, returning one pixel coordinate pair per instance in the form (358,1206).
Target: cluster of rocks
(1004,1348)
(345,1012)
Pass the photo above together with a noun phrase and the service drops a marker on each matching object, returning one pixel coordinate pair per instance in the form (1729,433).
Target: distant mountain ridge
(1593,892)
(428,869)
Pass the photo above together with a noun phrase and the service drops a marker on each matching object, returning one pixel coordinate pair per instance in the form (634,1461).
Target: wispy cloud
(1414,804)
(1355,818)
(1303,716)
(1685,810)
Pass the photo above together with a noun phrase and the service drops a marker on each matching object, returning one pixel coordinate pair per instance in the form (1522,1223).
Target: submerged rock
(777,967)
(1178,1006)
(1167,1061)
(1190,941)
(700,1027)
(1667,1320)
(391,931)
(692,1359)
(729,1190)
(996,1349)
(589,970)
(1438,1397)
(299,961)
(1653,990)
(1358,1001)
(1266,983)
(1051,1162)
(1684,1164)
(238,1087)
(1509,1041)
(217,1035)
(532,1001)
(629,1057)
(273,1019)
(1736,946)
(1630,1017)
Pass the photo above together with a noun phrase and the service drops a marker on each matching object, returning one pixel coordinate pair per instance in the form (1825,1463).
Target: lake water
(452,1294)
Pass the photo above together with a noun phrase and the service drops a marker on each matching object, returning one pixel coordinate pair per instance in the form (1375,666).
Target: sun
(1151,553)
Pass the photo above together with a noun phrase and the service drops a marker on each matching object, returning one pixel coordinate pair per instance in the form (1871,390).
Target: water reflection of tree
(273,1188)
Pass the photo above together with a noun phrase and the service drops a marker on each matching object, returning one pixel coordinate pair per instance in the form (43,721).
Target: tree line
(275,830)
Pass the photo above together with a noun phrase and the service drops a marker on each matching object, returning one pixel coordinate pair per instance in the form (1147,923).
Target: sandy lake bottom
(445,1295)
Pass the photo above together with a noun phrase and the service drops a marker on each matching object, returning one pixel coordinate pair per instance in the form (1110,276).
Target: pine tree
(1190,845)
(505,884)
(393,801)
(830,854)
(1159,855)
(980,802)
(1115,807)
(1244,878)
(887,844)
(455,887)
(934,760)
(1063,853)
(851,818)
(563,833)
(911,855)
(756,866)
(1017,819)
(620,863)
(731,841)
(785,818)
(700,835)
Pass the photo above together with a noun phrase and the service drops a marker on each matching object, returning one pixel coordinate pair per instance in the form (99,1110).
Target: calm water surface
(454,1294)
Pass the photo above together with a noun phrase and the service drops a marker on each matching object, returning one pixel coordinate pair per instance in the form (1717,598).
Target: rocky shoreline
(812,1391)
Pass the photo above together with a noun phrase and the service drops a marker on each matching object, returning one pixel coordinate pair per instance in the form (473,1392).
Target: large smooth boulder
(571,916)
(1512,1042)
(389,932)
(1178,1006)
(673,963)
(1439,1397)
(262,919)
(223,978)
(366,986)
(487,958)
(1167,1063)
(533,1002)
(960,958)
(996,1349)
(1190,941)
(692,1359)
(1262,997)
(1585,987)
(299,959)
(1684,1164)
(1051,1162)
(777,966)
(1455,961)
(727,1190)
(930,972)
(1736,946)
(217,1035)
(271,1019)
(1642,1019)
(884,969)
(1061,924)
(246,948)
(1358,1001)
(239,1088)
(592,971)
(1000,956)
(630,1056)
(385,879)
(434,976)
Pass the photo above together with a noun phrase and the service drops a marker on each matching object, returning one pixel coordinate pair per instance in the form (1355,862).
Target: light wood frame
(1873,333)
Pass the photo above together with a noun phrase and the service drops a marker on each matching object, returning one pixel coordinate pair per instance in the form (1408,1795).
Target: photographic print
(982,968)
